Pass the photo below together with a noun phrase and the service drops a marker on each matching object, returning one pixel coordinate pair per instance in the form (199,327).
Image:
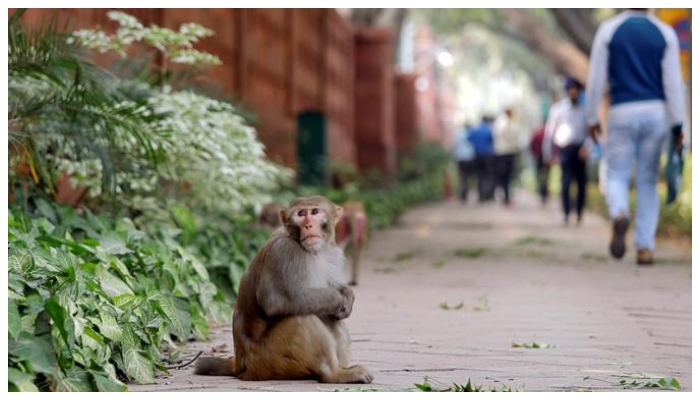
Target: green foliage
(59,99)
(643,381)
(425,159)
(94,301)
(427,386)
(470,252)
(174,46)
(226,246)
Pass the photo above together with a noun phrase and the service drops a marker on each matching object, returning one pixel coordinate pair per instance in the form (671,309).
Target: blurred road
(451,291)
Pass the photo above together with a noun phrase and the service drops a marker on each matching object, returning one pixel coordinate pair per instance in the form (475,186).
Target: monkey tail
(215,366)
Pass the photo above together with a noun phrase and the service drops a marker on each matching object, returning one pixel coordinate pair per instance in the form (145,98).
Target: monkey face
(311,222)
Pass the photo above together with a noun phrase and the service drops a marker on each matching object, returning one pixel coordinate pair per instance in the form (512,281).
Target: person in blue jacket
(637,55)
(481,138)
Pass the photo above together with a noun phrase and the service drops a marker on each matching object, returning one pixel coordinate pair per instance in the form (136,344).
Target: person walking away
(465,157)
(637,55)
(542,166)
(506,144)
(567,130)
(481,137)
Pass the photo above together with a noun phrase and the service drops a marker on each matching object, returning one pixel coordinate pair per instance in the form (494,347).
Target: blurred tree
(391,18)
(563,36)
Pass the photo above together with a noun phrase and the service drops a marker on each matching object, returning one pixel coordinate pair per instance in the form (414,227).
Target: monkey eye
(302,213)
(314,211)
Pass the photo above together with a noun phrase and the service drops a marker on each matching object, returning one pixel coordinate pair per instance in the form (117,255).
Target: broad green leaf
(136,365)
(183,218)
(62,321)
(38,351)
(118,265)
(109,327)
(74,380)
(200,326)
(169,312)
(124,301)
(22,381)
(14,322)
(113,244)
(112,285)
(105,383)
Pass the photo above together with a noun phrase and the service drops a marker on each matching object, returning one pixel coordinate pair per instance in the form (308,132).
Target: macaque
(270,215)
(288,318)
(352,229)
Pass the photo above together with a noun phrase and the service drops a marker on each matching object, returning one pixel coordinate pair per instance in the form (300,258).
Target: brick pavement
(506,276)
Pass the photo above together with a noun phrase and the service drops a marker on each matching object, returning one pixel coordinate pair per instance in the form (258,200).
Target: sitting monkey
(350,231)
(288,318)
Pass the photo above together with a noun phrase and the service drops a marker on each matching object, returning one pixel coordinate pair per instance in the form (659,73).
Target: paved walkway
(450,290)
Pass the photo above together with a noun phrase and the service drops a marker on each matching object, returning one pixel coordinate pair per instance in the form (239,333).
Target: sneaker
(645,257)
(617,243)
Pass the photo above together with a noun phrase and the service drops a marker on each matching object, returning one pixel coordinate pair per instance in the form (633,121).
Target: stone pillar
(374,100)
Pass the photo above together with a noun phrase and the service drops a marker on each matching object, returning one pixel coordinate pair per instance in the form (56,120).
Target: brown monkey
(352,229)
(270,215)
(288,318)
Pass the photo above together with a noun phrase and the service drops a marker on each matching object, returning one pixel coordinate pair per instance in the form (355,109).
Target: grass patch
(470,252)
(430,385)
(596,257)
(534,240)
(643,381)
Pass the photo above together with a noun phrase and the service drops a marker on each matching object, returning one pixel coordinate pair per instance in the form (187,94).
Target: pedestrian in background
(567,130)
(465,157)
(542,165)
(481,137)
(637,55)
(506,145)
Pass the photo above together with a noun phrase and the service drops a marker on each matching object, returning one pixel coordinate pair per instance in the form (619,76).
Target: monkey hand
(346,305)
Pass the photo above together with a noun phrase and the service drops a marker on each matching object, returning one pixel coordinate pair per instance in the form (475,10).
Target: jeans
(635,137)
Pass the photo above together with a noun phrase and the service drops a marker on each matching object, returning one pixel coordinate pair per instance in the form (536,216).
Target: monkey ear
(283,217)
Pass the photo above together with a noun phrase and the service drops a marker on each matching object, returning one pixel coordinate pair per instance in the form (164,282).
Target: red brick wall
(374,100)
(278,62)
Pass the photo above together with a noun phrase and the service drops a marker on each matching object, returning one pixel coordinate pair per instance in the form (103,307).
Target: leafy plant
(93,302)
(643,381)
(59,101)
(427,386)
(470,252)
(176,47)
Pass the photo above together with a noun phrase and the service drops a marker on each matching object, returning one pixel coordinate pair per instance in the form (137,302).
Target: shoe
(617,244)
(645,257)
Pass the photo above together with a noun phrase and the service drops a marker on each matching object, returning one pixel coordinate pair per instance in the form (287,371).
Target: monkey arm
(317,301)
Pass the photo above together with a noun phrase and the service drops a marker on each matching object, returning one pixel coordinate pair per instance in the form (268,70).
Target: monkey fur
(288,318)
(350,231)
